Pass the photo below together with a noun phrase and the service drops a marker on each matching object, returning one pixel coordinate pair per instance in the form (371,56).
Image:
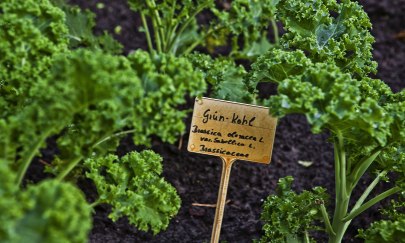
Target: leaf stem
(171,26)
(362,167)
(192,47)
(95,203)
(195,44)
(368,191)
(26,160)
(342,160)
(71,164)
(307,240)
(275,31)
(186,24)
(337,169)
(157,36)
(325,216)
(342,197)
(156,15)
(113,136)
(147,33)
(371,202)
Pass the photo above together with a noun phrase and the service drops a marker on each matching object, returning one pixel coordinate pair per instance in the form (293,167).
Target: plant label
(232,130)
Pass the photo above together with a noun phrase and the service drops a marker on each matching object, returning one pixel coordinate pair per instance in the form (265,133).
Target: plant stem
(339,227)
(157,37)
(71,164)
(26,160)
(95,203)
(362,167)
(195,44)
(368,190)
(371,202)
(185,25)
(113,136)
(342,155)
(171,26)
(325,216)
(160,30)
(192,47)
(306,239)
(342,194)
(170,38)
(337,169)
(275,31)
(147,33)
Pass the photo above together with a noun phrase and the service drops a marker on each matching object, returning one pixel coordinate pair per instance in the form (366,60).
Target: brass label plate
(232,130)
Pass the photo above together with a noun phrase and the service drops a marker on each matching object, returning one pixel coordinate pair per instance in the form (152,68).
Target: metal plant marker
(232,131)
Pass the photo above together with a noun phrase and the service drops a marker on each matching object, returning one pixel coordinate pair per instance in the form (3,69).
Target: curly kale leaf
(8,203)
(80,24)
(227,78)
(246,23)
(289,216)
(99,95)
(391,229)
(87,89)
(331,100)
(166,80)
(384,231)
(107,91)
(329,32)
(32,33)
(391,155)
(143,94)
(134,187)
(276,65)
(50,211)
(65,214)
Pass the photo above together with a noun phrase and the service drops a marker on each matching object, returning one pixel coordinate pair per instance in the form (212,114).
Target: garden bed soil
(196,177)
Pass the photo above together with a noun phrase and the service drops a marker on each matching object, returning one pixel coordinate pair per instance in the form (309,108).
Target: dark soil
(197,177)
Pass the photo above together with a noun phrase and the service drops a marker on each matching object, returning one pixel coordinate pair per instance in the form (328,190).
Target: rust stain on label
(232,130)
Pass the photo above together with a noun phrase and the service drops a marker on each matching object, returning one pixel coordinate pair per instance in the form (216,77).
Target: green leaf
(227,78)
(80,24)
(134,187)
(107,90)
(51,211)
(246,23)
(332,100)
(89,93)
(276,65)
(289,216)
(329,32)
(166,80)
(32,33)
(391,229)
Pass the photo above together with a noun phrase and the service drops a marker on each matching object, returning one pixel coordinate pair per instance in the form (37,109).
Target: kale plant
(61,82)
(172,26)
(322,69)
(288,216)
(51,211)
(134,187)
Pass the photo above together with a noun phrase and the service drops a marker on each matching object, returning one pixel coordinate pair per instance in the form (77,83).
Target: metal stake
(221,201)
